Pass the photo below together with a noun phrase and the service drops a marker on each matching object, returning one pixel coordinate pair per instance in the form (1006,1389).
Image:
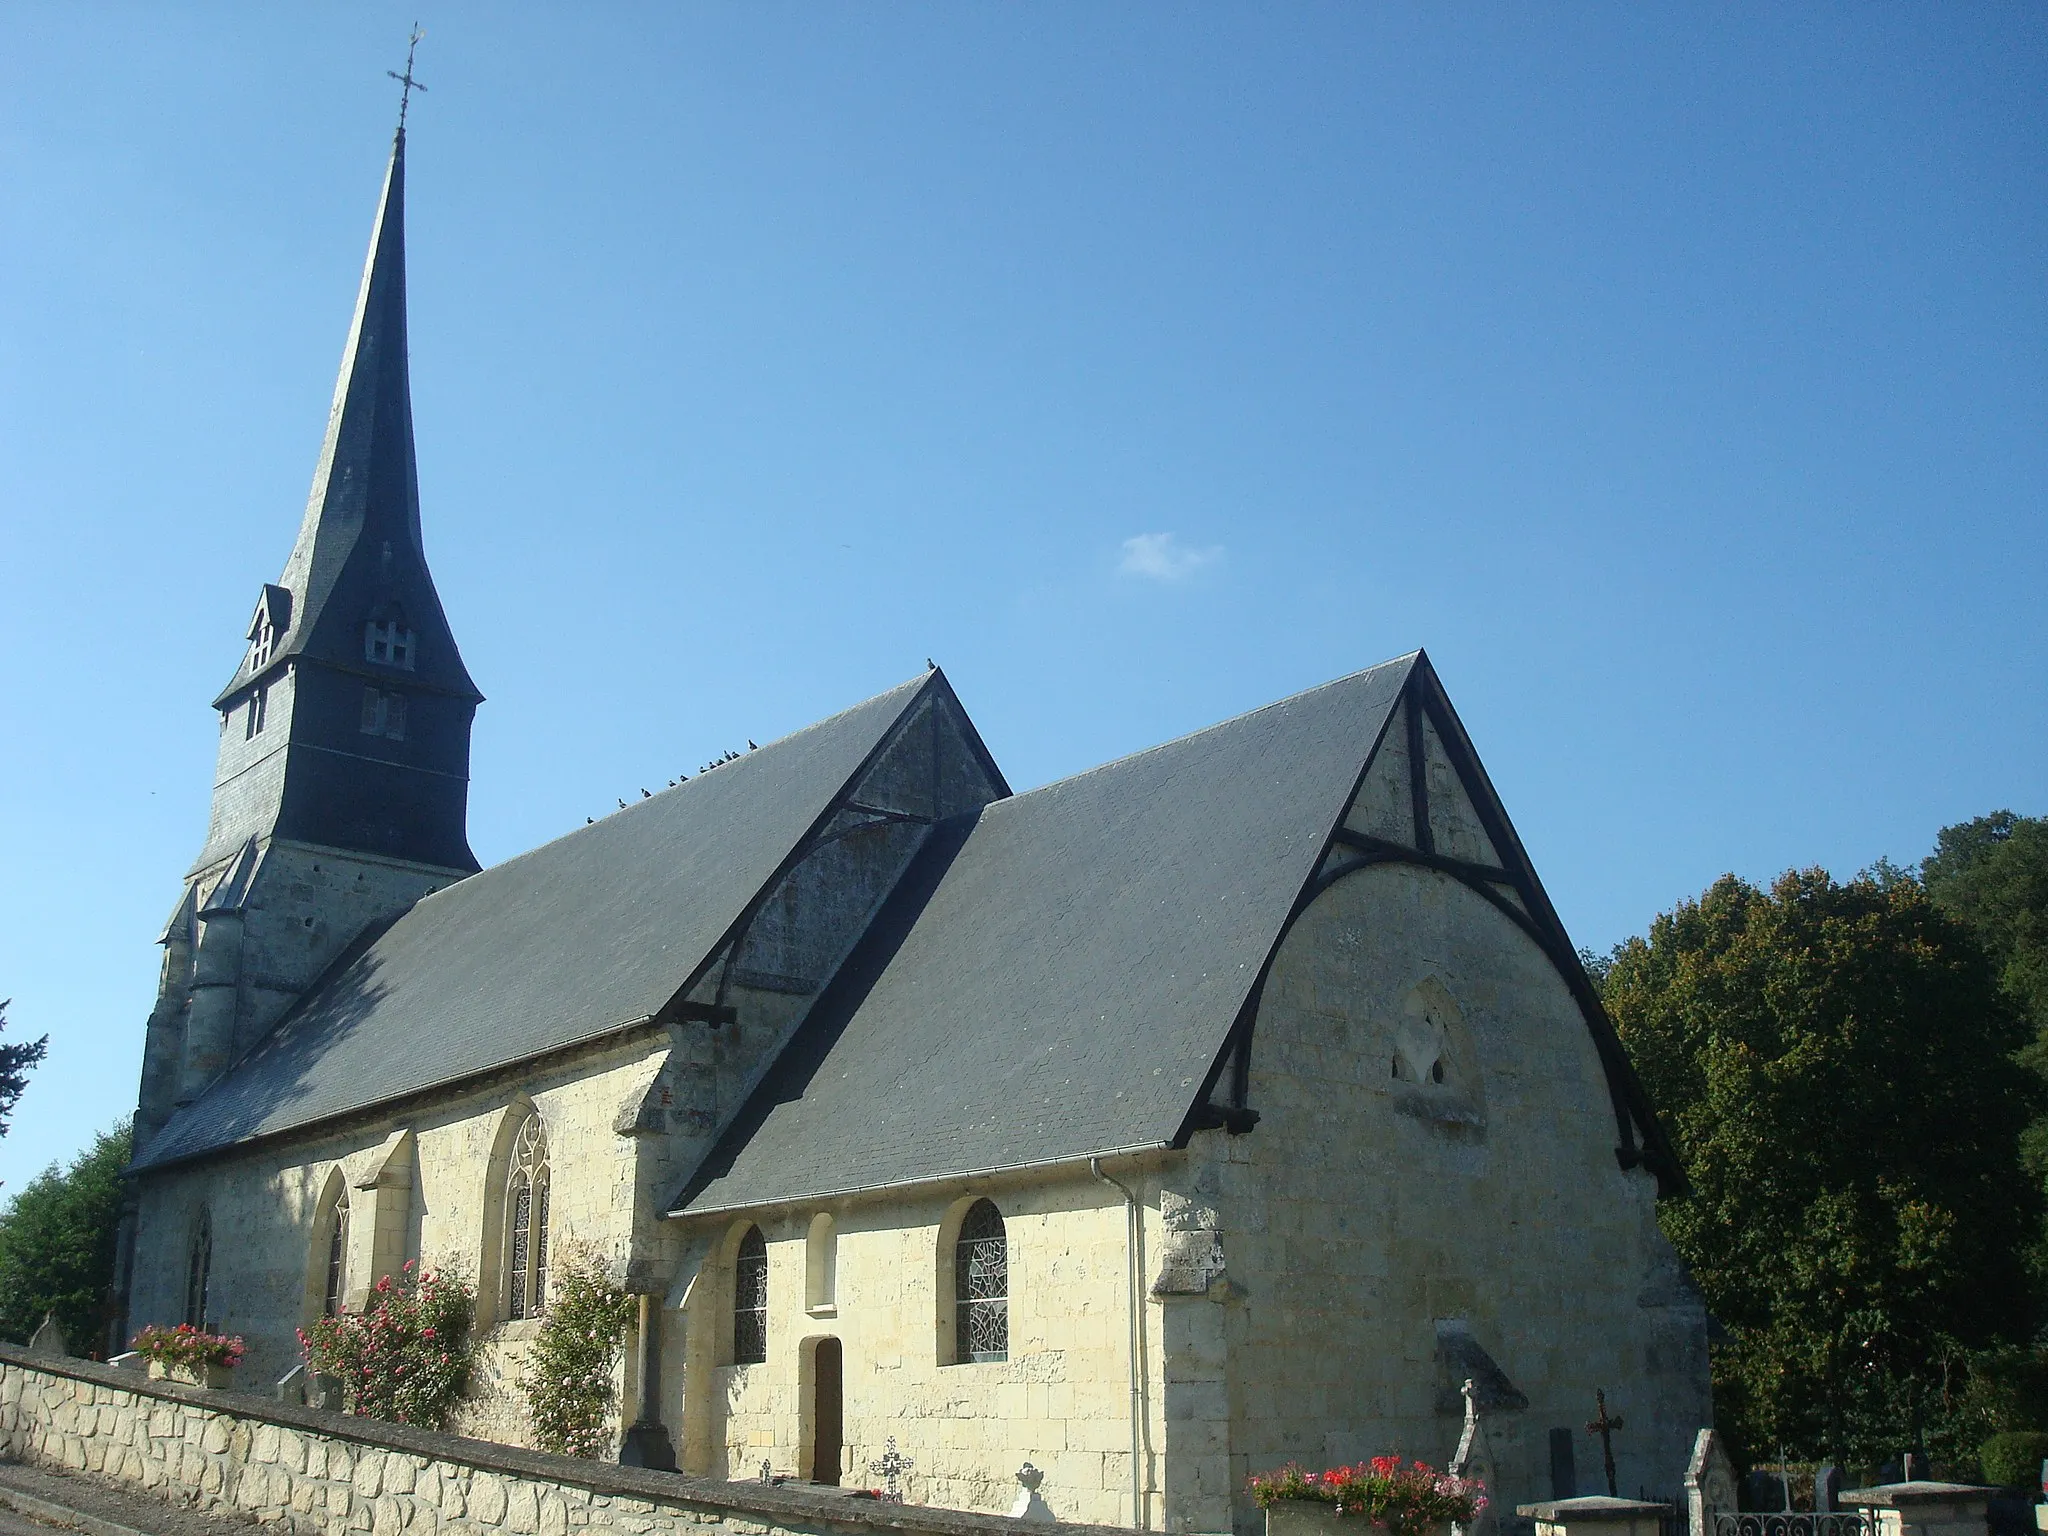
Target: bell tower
(341,787)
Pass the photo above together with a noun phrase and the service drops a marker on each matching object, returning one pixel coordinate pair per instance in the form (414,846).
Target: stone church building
(1227,1104)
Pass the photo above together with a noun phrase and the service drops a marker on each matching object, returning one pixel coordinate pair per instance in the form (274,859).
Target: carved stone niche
(1432,1065)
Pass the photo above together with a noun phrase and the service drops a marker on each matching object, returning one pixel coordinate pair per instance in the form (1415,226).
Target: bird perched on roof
(752,746)
(930,665)
(643,793)
(622,805)
(590,821)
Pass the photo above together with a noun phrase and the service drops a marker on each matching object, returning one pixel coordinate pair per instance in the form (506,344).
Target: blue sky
(1675,376)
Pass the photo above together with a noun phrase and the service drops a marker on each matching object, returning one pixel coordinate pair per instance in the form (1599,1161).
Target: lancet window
(981,1285)
(750,1300)
(199,1272)
(337,1256)
(526,1223)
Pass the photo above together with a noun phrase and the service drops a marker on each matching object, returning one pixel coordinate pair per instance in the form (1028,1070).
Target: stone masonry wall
(1061,1400)
(1434,1172)
(317,1474)
(440,1190)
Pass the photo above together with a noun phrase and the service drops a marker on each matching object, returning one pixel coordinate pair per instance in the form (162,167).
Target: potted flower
(1402,1498)
(188,1354)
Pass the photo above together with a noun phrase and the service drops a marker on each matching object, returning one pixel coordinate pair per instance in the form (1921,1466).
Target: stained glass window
(750,1300)
(337,1255)
(522,1238)
(981,1285)
(526,1223)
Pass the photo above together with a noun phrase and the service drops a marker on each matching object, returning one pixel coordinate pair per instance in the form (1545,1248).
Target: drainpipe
(1134,1304)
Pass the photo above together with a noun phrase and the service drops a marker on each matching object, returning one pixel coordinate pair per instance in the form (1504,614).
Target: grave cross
(406,80)
(891,1464)
(1605,1427)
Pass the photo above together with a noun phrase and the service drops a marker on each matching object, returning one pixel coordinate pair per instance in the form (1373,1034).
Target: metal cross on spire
(406,80)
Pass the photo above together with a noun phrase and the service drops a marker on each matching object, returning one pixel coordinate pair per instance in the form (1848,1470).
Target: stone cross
(891,1464)
(1604,1427)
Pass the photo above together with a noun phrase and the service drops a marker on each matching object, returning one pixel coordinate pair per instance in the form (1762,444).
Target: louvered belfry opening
(750,1300)
(981,1273)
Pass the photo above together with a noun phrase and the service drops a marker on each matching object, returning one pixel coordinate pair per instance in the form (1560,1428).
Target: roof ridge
(636,805)
(1408,658)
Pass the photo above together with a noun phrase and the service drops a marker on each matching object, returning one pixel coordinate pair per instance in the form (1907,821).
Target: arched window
(199,1272)
(336,1280)
(750,1300)
(981,1285)
(526,1223)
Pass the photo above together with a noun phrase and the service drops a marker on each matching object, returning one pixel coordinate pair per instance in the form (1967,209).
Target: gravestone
(49,1338)
(1709,1483)
(1827,1490)
(1564,1475)
(1765,1491)
(1473,1459)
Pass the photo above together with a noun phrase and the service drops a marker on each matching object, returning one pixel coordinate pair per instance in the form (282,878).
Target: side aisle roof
(1057,976)
(593,931)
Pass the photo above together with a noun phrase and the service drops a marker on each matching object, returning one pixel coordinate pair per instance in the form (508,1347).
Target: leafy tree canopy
(1993,874)
(15,1062)
(57,1245)
(1835,1063)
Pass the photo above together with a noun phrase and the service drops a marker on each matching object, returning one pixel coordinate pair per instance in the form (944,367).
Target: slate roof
(1055,975)
(564,944)
(359,550)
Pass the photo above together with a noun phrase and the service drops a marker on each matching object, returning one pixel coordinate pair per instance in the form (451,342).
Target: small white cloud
(1162,557)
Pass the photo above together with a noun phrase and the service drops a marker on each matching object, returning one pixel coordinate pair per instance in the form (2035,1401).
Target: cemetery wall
(308,1472)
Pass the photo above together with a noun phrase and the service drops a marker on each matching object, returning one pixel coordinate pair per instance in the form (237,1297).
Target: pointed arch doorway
(828,1411)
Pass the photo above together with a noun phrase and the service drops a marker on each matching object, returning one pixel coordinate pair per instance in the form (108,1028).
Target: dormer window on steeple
(388,642)
(273,616)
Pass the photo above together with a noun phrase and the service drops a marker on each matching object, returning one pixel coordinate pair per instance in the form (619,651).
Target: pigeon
(590,821)
(643,793)
(752,746)
(622,805)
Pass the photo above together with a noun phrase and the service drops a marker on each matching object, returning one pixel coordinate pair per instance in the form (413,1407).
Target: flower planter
(1312,1517)
(215,1378)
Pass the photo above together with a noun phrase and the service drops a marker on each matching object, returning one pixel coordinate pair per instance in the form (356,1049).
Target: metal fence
(1792,1522)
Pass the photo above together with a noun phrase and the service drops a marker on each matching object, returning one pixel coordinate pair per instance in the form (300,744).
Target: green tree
(1992,874)
(15,1062)
(57,1245)
(1834,1062)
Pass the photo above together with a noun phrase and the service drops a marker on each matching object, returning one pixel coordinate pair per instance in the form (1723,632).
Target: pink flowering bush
(1404,1497)
(570,1385)
(405,1358)
(187,1346)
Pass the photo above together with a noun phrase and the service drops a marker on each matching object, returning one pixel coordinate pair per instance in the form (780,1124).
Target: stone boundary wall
(322,1474)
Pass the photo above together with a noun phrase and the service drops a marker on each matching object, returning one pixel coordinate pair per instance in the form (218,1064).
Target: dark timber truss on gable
(1510,887)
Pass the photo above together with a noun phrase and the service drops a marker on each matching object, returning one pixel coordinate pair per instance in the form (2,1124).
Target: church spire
(353,702)
(359,545)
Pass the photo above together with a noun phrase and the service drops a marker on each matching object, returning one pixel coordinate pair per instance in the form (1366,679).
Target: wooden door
(828,1412)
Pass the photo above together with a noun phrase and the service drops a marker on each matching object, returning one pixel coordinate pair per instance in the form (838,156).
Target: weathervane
(406,80)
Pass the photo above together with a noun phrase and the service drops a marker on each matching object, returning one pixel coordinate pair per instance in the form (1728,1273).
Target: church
(1232,1103)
